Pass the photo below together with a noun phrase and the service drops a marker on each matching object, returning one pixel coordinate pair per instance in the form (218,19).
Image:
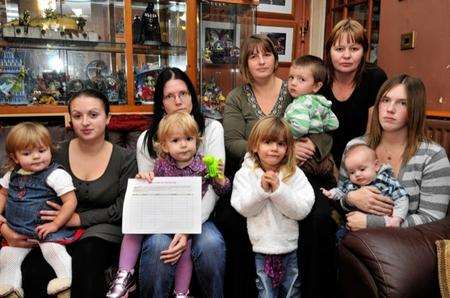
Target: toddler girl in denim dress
(178,140)
(31,181)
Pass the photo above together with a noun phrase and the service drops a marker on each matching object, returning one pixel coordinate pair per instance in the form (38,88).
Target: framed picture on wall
(276,6)
(282,38)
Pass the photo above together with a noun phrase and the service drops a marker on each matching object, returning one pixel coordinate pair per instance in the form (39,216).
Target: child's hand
(45,229)
(265,184)
(220,179)
(273,180)
(2,219)
(326,193)
(146,176)
(221,168)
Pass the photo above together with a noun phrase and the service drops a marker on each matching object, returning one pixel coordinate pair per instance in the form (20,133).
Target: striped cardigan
(426,178)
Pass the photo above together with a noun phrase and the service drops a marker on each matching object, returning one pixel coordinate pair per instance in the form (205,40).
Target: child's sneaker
(58,285)
(122,285)
(181,295)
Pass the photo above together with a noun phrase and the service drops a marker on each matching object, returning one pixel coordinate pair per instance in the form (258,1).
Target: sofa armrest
(391,262)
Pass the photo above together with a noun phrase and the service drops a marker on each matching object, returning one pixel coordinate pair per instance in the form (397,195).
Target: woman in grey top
(397,134)
(100,171)
(266,94)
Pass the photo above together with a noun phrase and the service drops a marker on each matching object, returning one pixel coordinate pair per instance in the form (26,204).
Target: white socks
(11,259)
(56,255)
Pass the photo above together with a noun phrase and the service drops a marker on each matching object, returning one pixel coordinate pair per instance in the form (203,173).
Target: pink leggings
(131,248)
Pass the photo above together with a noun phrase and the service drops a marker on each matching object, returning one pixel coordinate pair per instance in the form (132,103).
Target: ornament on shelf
(145,85)
(219,46)
(137,29)
(218,52)
(12,79)
(113,89)
(51,88)
(151,32)
(207,55)
(74,86)
(111,84)
(81,22)
(52,26)
(213,100)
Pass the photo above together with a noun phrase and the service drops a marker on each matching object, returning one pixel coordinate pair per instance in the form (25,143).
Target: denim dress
(27,196)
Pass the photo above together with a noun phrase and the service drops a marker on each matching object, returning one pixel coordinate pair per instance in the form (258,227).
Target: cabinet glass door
(223,27)
(50,49)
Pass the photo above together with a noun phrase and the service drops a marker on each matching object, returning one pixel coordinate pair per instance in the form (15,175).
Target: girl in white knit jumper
(273,194)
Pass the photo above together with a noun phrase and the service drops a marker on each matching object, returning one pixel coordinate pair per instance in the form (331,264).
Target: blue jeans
(289,287)
(208,256)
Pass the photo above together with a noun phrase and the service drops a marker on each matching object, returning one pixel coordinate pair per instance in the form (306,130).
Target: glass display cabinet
(223,26)
(52,48)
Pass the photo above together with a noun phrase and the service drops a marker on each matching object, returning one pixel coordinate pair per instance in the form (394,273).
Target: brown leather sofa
(391,262)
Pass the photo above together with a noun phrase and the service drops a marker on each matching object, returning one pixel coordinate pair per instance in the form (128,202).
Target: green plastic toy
(212,166)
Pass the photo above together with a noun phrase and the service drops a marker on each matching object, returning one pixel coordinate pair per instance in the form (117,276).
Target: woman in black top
(352,90)
(354,84)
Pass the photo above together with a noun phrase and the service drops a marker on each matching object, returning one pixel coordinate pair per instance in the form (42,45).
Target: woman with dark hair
(354,83)
(100,171)
(174,92)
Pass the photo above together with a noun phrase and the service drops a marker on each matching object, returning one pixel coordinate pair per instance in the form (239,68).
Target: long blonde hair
(273,129)
(23,136)
(172,121)
(416,102)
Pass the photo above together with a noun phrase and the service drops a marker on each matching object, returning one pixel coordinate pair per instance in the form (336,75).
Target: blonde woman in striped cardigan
(421,166)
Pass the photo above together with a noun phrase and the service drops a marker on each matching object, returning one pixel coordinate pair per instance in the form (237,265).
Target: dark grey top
(100,201)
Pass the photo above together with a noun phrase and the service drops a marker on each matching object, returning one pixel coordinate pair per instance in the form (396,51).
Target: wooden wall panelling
(429,59)
(439,131)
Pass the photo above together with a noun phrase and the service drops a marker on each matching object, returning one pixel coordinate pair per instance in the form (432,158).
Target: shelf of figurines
(50,27)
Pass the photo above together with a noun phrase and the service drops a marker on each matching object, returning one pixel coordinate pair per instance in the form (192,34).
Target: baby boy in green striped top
(310,113)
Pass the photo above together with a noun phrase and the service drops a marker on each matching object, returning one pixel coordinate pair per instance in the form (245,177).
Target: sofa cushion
(443,257)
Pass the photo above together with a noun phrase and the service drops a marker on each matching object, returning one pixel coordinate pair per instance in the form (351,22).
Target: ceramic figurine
(207,55)
(112,89)
(12,79)
(213,100)
(151,33)
(148,89)
(137,30)
(218,52)
(81,22)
